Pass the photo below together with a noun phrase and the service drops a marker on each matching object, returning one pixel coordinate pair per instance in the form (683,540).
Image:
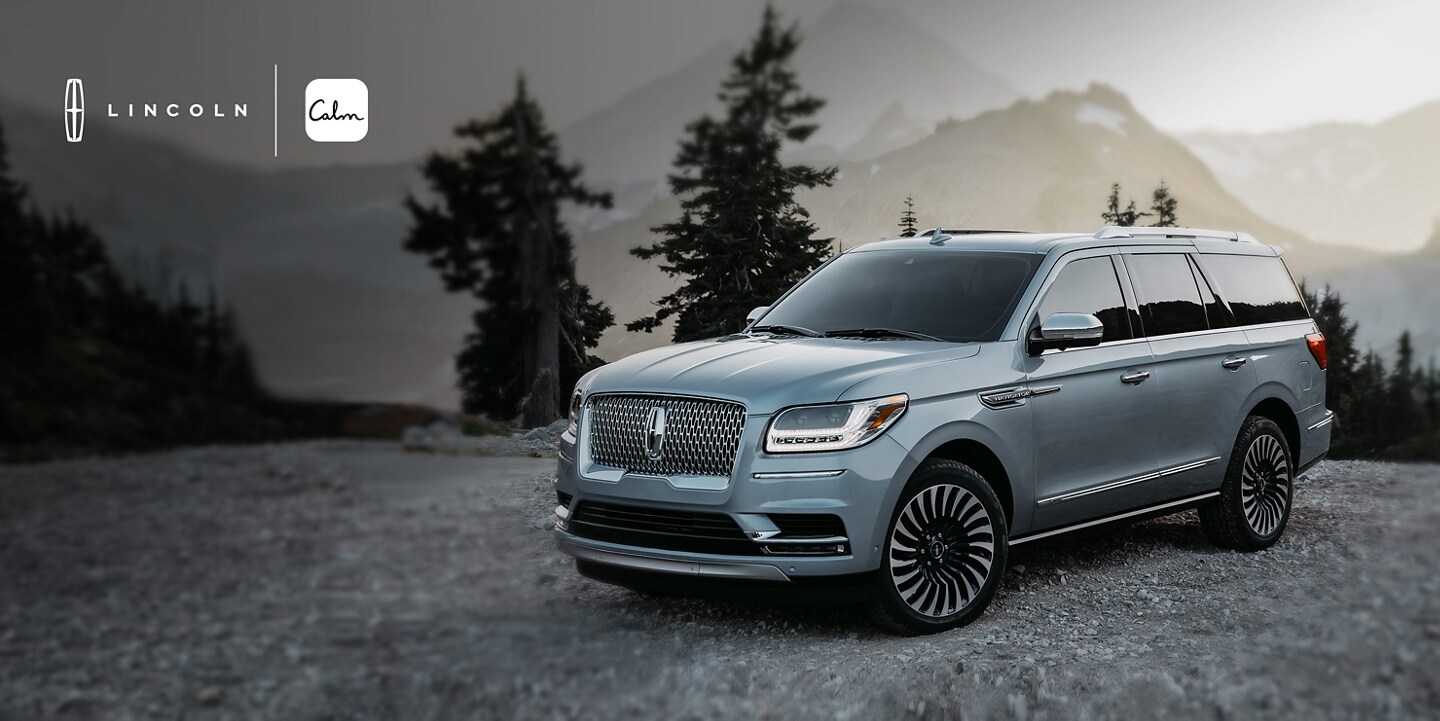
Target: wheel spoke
(941,550)
(1265,479)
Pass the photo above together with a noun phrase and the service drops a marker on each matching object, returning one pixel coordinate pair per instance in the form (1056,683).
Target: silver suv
(895,422)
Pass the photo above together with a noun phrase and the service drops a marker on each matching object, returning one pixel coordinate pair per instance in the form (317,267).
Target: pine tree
(89,361)
(1403,413)
(496,234)
(1432,395)
(1368,431)
(1163,205)
(1428,444)
(908,229)
(23,317)
(1113,215)
(1328,310)
(741,240)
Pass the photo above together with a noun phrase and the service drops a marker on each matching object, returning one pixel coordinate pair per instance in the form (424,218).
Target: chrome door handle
(1233,363)
(1136,377)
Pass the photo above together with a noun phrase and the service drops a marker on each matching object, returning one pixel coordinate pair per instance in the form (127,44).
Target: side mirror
(1066,330)
(755,314)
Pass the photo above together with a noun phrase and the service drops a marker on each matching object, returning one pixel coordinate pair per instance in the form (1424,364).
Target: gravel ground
(273,582)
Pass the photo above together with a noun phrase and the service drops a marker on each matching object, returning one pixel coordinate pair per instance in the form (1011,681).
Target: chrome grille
(702,435)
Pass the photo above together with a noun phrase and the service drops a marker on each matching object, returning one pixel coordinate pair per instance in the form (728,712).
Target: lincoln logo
(74,110)
(655,434)
(144,111)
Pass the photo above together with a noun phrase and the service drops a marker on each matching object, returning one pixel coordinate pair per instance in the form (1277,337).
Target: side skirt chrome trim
(1126,482)
(1329,417)
(1110,519)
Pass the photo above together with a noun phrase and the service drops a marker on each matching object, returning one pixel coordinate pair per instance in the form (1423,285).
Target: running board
(1119,517)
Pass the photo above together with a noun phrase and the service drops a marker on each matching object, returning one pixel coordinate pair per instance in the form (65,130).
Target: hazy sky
(1230,64)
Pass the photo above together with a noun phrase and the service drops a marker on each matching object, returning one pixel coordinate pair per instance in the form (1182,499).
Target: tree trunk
(538,292)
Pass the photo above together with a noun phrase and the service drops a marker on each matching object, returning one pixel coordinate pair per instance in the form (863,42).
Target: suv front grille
(702,435)
(669,530)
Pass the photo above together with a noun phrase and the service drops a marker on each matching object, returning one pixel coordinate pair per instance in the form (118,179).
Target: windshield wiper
(880,333)
(787,329)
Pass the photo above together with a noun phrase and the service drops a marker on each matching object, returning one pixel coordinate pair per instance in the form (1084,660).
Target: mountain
(1043,165)
(864,61)
(1391,294)
(1036,165)
(1373,186)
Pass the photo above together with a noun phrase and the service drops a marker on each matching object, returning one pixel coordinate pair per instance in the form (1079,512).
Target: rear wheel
(1255,499)
(945,551)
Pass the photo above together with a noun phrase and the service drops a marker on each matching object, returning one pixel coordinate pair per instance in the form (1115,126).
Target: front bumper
(855,485)
(650,562)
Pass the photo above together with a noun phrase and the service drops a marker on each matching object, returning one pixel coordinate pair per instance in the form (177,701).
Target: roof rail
(1121,231)
(965,231)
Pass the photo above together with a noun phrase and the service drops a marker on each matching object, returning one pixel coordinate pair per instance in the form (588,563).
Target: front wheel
(1255,499)
(945,551)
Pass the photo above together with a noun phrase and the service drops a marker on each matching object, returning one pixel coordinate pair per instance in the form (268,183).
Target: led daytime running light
(795,430)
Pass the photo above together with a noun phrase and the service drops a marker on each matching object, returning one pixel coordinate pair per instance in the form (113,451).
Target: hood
(770,373)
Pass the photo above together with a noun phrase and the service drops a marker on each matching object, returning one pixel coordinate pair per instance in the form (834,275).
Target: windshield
(952,295)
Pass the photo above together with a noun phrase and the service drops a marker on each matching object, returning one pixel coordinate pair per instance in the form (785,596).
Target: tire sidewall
(960,475)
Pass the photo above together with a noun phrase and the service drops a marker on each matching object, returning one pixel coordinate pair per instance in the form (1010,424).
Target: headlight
(575,399)
(833,427)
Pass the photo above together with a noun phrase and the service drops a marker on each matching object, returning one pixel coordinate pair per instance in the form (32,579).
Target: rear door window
(1168,295)
(1258,287)
(1214,310)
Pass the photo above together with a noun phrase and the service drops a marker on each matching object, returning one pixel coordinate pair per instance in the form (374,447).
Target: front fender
(1005,432)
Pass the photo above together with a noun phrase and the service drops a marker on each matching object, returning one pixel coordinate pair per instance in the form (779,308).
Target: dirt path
(308,581)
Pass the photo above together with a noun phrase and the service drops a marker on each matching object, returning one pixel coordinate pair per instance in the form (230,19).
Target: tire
(945,551)
(1259,489)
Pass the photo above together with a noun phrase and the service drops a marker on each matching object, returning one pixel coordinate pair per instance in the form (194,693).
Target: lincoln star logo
(74,110)
(138,111)
(655,434)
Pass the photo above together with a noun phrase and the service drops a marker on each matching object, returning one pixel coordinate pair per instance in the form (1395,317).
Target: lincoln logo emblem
(74,110)
(655,434)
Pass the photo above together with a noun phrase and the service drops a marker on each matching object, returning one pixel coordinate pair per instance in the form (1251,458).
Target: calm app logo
(74,110)
(337,110)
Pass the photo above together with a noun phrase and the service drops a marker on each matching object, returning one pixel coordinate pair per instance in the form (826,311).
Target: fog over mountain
(919,79)
(1042,165)
(1241,66)
(1371,186)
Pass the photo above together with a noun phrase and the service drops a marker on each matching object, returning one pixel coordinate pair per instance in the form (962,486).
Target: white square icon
(337,110)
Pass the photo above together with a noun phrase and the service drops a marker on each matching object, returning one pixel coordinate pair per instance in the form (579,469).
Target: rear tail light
(1316,341)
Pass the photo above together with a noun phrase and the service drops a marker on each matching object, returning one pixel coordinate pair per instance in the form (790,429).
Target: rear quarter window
(1259,288)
